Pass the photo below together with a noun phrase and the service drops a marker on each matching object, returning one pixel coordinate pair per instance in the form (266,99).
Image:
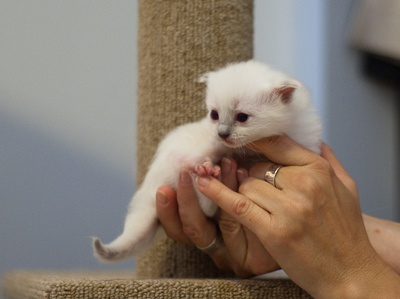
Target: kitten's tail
(140,228)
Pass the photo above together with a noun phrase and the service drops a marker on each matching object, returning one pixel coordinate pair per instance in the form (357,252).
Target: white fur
(249,87)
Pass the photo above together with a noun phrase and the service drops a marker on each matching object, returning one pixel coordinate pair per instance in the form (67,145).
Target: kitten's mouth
(229,143)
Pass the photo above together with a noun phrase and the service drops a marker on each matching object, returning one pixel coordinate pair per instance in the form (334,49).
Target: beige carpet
(102,284)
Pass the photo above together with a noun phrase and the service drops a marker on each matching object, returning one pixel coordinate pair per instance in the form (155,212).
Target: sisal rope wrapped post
(179,40)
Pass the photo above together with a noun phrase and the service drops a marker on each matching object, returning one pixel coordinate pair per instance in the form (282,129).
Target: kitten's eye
(242,117)
(214,115)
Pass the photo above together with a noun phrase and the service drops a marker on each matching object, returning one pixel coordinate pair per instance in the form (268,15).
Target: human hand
(310,223)
(184,221)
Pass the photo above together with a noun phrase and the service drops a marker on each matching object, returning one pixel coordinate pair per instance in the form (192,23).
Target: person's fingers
(242,174)
(244,253)
(184,221)
(195,224)
(341,173)
(255,189)
(231,230)
(168,214)
(228,173)
(281,176)
(284,150)
(327,153)
(248,255)
(258,259)
(239,206)
(236,242)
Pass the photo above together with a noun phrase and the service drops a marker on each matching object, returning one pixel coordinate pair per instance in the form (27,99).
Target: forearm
(385,238)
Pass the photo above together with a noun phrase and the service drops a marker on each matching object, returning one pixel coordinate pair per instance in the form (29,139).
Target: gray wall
(67,129)
(362,119)
(67,117)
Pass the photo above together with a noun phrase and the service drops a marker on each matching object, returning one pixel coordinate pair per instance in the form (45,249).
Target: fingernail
(161,197)
(203,181)
(240,176)
(185,178)
(226,166)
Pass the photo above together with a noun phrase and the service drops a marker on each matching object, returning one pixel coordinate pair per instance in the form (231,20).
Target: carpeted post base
(110,284)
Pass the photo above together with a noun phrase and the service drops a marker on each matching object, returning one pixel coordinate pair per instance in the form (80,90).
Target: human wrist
(361,273)
(384,237)
(373,280)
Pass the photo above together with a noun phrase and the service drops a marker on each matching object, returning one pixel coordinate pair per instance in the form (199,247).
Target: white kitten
(246,101)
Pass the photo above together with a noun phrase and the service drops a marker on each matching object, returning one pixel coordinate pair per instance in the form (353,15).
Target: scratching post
(177,42)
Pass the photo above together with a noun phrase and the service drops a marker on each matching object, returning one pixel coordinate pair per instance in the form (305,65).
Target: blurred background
(68,122)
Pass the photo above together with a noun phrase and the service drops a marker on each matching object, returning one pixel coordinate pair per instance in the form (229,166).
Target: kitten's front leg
(206,168)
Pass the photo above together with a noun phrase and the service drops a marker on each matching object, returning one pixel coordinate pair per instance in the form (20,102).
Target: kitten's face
(240,121)
(247,102)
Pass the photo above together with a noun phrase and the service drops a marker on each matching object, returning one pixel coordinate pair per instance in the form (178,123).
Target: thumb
(341,173)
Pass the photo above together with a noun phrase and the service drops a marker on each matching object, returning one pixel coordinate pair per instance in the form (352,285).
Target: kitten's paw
(207,168)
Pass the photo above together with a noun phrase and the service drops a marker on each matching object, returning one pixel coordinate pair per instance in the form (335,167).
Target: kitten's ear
(284,93)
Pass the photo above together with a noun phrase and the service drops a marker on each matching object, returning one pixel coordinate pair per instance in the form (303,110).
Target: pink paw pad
(207,169)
